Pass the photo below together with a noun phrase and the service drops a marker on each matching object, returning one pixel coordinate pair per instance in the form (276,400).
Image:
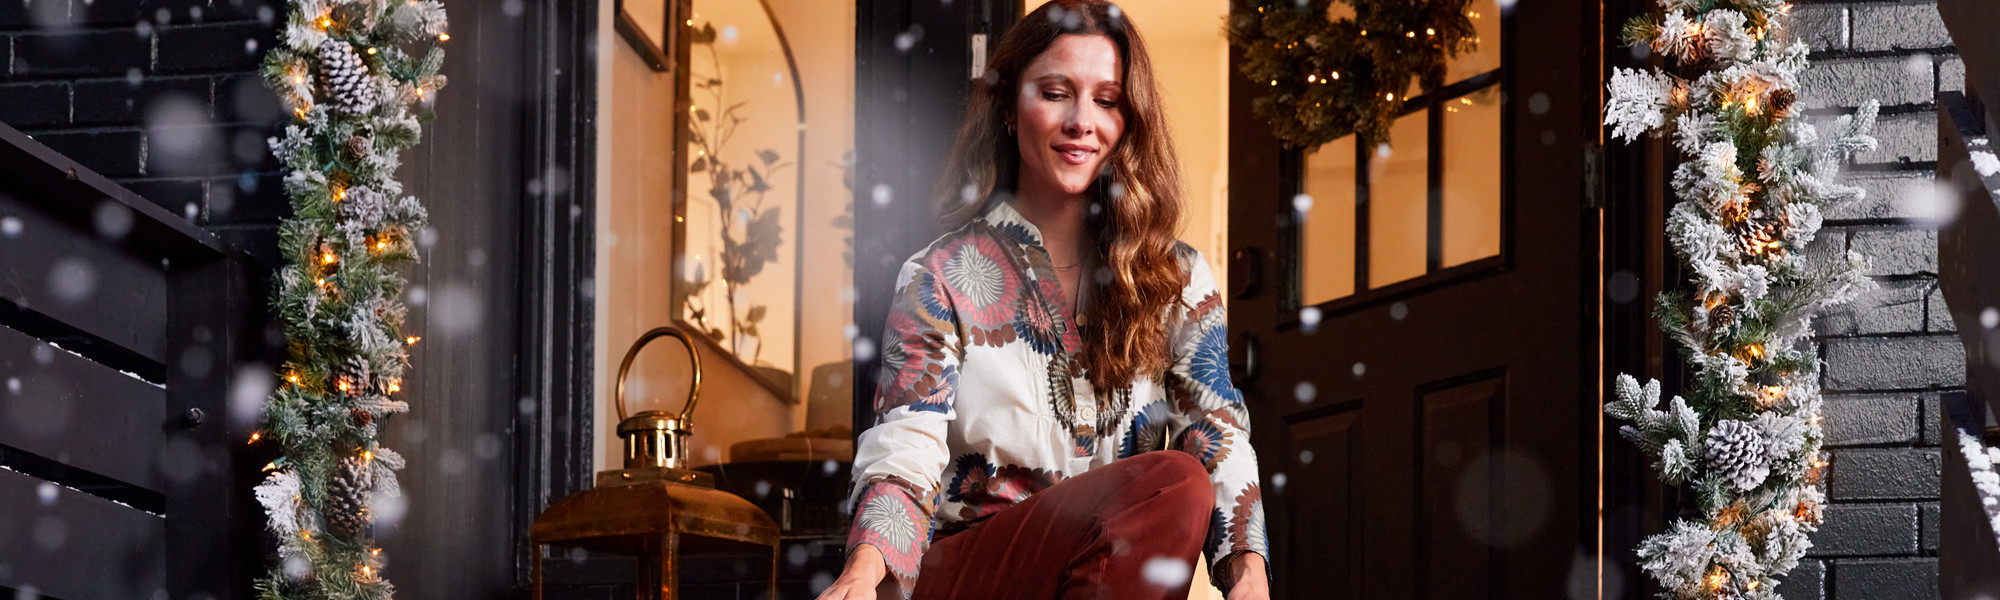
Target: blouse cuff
(895,517)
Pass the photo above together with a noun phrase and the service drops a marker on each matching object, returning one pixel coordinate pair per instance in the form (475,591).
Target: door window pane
(1486,54)
(1327,226)
(1398,202)
(1471,177)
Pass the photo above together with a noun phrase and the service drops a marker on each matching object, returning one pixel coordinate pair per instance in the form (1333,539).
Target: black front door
(1434,436)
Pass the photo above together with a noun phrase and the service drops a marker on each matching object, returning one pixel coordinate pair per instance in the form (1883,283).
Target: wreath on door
(1334,70)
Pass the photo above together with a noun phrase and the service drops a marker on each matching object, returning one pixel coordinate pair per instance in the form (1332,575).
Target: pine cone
(361,416)
(344,78)
(1781,102)
(347,498)
(364,205)
(1756,236)
(1721,316)
(1737,451)
(358,147)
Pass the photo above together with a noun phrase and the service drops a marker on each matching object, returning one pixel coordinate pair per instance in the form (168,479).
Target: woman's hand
(1247,571)
(862,576)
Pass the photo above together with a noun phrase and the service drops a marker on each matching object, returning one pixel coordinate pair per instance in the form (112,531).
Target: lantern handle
(625,367)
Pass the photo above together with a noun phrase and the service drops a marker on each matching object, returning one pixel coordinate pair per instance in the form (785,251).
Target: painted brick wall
(161,96)
(1888,356)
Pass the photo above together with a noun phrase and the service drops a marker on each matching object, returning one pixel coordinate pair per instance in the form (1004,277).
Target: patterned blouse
(982,401)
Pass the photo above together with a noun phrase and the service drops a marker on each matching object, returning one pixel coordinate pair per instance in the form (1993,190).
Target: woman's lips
(1075,154)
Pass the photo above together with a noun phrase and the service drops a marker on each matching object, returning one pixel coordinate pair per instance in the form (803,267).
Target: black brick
(120,102)
(260,241)
(187,149)
(1867,530)
(1885,474)
(110,153)
(171,194)
(79,53)
(1806,582)
(1927,519)
(1871,419)
(244,98)
(180,12)
(212,48)
(261,203)
(31,14)
(1886,578)
(31,105)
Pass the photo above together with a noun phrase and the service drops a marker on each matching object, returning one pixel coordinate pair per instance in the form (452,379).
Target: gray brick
(1852,82)
(1933,425)
(1888,192)
(1871,419)
(1862,364)
(1806,582)
(1892,307)
(1885,474)
(1927,523)
(1886,578)
(1867,530)
(1820,26)
(1951,75)
(1827,248)
(1908,137)
(1893,26)
(1897,251)
(1937,316)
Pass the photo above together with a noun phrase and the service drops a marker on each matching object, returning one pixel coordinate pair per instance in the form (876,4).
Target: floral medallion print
(1206,442)
(889,519)
(969,476)
(1036,326)
(981,277)
(935,390)
(1209,366)
(1246,522)
(1019,234)
(1148,431)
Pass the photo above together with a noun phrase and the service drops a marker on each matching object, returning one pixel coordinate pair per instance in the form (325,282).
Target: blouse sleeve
(898,461)
(1210,421)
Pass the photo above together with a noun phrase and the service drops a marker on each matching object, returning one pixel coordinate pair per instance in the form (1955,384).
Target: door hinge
(978,55)
(1593,176)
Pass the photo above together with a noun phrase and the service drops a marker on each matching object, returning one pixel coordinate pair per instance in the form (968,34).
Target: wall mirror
(739,208)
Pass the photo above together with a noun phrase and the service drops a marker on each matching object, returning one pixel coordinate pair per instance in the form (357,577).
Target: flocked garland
(342,68)
(1746,434)
(1332,77)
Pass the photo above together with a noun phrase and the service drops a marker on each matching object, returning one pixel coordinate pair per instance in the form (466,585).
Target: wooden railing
(1969,272)
(122,327)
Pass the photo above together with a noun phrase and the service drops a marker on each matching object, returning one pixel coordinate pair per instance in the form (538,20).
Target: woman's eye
(1053,96)
(1107,103)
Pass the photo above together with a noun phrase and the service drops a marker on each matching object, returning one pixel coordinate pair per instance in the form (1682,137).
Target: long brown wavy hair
(1140,186)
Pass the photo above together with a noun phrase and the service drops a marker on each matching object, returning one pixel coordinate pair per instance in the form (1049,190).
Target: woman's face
(1069,113)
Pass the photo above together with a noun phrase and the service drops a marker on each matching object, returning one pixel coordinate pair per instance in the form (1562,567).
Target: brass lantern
(656,442)
(655,508)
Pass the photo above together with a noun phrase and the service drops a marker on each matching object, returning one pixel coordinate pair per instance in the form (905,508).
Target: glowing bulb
(412,340)
(327,258)
(255,436)
(271,467)
(1336,74)
(1392,96)
(342,385)
(371,50)
(1430,31)
(1312,78)
(324,22)
(1410,34)
(444,37)
(294,378)
(367,456)
(395,387)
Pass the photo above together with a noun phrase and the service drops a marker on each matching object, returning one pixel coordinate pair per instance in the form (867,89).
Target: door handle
(1246,272)
(1243,359)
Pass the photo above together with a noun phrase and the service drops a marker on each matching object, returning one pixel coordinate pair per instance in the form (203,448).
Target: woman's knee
(1180,476)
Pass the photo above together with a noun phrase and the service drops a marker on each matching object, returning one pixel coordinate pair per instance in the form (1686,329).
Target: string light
(327,258)
(273,466)
(1430,31)
(411,341)
(444,37)
(255,436)
(294,378)
(1392,96)
(342,384)
(324,22)
(371,50)
(395,386)
(367,456)
(1754,350)
(1310,78)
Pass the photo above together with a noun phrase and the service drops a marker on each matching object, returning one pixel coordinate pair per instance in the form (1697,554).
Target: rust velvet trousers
(1130,529)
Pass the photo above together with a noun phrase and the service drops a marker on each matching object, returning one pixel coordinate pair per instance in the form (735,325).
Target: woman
(1027,443)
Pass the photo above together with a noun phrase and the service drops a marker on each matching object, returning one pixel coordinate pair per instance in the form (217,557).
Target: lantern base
(650,474)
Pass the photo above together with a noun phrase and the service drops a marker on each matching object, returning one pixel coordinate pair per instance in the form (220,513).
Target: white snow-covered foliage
(1752,192)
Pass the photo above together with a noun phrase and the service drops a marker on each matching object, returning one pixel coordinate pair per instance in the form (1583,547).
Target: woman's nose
(1080,122)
